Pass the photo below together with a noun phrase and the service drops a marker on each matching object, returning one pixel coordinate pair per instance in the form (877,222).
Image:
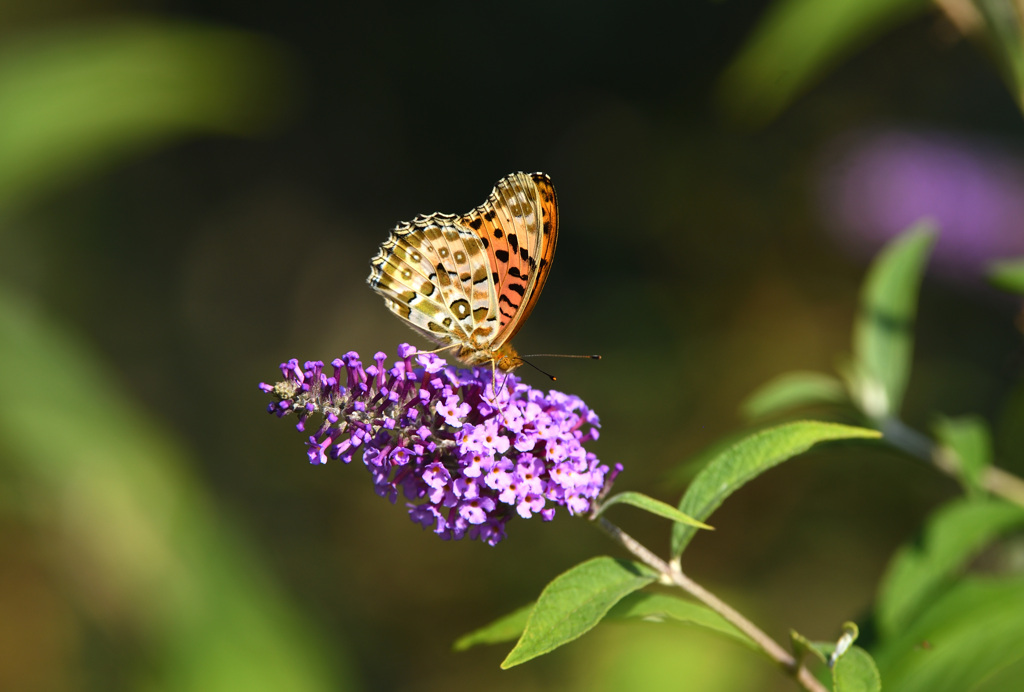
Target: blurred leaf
(1008,274)
(952,537)
(968,438)
(796,43)
(145,551)
(961,641)
(658,607)
(747,459)
(883,337)
(1004,25)
(855,671)
(792,390)
(504,629)
(74,100)
(574,602)
(1003,679)
(653,506)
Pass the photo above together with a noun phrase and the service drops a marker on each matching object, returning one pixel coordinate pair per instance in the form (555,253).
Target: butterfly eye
(415,256)
(460,256)
(443,253)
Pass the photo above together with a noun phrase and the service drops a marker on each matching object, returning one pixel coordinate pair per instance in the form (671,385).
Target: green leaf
(653,506)
(961,641)
(952,537)
(747,459)
(855,671)
(1008,274)
(792,390)
(969,441)
(656,607)
(77,99)
(574,603)
(883,338)
(635,606)
(796,43)
(504,629)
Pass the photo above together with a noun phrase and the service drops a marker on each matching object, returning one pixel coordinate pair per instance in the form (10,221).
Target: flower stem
(673,575)
(993,479)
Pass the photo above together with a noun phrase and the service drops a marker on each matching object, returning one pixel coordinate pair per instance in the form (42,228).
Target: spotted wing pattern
(471,280)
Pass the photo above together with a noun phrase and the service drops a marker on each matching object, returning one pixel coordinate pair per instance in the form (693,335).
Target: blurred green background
(190,193)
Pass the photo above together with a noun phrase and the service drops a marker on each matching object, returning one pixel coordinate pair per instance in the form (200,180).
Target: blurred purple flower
(875,185)
(466,460)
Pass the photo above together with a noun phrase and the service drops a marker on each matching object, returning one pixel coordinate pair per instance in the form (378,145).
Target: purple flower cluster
(466,458)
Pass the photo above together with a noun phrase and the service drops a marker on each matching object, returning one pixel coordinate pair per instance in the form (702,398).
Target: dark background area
(699,257)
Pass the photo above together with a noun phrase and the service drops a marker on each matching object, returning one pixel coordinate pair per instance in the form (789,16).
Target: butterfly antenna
(554,355)
(562,355)
(546,374)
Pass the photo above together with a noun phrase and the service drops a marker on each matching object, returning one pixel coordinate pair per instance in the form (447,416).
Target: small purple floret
(466,460)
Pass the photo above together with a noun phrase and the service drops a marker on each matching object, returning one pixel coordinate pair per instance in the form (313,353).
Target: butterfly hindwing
(433,274)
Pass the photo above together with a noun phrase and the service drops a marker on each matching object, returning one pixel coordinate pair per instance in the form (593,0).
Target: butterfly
(469,281)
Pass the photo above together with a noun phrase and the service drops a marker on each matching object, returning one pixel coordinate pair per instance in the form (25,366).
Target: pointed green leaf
(968,439)
(952,537)
(575,602)
(1008,274)
(792,390)
(656,607)
(651,607)
(747,459)
(504,629)
(855,671)
(653,506)
(961,641)
(883,338)
(796,42)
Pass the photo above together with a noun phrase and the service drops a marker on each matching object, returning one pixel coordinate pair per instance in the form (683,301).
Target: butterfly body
(469,281)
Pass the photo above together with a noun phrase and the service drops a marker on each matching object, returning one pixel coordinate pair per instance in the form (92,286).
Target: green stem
(672,574)
(993,479)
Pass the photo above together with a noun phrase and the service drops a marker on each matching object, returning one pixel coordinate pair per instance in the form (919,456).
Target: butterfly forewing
(471,280)
(542,248)
(519,226)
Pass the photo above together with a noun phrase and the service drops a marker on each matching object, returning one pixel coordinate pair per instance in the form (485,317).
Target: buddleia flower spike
(465,459)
